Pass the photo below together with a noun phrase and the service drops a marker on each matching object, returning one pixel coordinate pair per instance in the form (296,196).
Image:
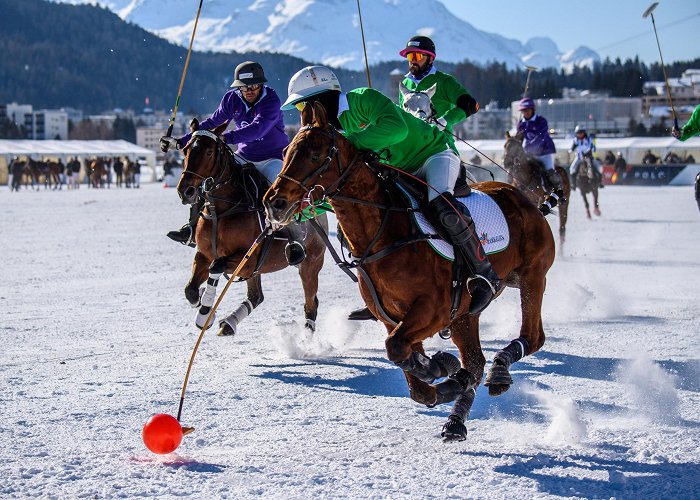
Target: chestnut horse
(412,284)
(99,172)
(526,173)
(232,220)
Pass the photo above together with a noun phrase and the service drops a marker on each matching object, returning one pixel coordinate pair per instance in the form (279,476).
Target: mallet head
(651,8)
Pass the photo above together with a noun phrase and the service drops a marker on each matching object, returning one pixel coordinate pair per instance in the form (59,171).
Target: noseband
(343,174)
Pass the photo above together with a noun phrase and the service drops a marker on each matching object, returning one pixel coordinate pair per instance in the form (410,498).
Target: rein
(225,164)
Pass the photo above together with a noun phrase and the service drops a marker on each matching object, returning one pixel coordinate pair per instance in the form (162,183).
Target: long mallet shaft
(364,46)
(184,72)
(650,13)
(530,69)
(243,262)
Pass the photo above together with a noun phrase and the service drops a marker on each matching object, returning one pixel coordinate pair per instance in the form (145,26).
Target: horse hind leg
(229,325)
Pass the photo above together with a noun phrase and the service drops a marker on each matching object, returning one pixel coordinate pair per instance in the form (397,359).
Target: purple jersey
(536,133)
(259,130)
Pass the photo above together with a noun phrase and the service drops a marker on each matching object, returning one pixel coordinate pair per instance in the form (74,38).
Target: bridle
(211,183)
(309,187)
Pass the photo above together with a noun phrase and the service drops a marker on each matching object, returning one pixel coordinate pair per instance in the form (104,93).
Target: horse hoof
(193,296)
(454,430)
(596,211)
(310,324)
(498,380)
(225,330)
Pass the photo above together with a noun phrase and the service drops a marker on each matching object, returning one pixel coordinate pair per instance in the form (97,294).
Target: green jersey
(447,91)
(692,128)
(373,122)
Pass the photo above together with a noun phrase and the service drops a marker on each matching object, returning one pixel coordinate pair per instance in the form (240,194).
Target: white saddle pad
(491,225)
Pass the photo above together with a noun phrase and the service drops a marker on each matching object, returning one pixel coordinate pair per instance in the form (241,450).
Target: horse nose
(189,193)
(279,205)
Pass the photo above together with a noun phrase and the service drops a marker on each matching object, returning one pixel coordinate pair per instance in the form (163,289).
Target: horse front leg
(465,335)
(216,269)
(404,348)
(200,271)
(596,208)
(309,270)
(585,202)
(229,325)
(531,333)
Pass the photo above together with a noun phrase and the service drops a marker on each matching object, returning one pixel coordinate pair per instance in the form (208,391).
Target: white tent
(68,149)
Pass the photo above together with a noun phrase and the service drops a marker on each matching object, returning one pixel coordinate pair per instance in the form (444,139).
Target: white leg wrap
(210,292)
(233,319)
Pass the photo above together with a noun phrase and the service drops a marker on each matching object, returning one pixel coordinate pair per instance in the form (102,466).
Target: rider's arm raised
(223,113)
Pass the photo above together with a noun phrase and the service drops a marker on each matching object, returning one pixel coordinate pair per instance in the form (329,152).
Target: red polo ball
(162,434)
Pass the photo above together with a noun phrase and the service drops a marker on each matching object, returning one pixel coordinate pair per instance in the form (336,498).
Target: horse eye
(315,157)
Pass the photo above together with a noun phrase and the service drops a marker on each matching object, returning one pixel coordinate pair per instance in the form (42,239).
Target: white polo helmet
(310,81)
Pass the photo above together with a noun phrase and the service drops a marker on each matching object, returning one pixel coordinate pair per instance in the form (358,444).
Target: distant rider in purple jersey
(538,144)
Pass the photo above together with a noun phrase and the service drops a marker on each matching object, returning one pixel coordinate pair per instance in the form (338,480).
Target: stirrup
(478,304)
(295,253)
(180,236)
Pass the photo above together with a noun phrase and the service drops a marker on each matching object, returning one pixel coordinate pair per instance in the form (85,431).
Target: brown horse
(232,220)
(526,175)
(587,182)
(412,283)
(99,172)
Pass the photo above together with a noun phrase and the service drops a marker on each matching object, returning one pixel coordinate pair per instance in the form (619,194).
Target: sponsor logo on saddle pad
(491,225)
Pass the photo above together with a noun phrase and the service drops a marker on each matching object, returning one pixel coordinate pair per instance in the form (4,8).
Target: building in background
(604,115)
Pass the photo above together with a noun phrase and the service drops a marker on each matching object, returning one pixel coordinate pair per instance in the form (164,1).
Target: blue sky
(609,27)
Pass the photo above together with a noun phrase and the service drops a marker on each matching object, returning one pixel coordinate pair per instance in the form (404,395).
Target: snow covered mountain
(328,31)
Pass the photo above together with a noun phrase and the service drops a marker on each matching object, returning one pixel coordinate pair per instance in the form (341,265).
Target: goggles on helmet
(415,56)
(300,105)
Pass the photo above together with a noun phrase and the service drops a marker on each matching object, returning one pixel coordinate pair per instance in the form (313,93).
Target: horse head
(313,166)
(204,164)
(419,104)
(515,160)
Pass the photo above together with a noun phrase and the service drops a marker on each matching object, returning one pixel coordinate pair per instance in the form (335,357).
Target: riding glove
(166,142)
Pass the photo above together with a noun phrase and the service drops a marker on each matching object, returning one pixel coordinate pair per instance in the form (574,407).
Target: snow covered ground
(96,335)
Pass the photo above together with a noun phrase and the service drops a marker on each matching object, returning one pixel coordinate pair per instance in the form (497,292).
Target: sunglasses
(415,56)
(250,88)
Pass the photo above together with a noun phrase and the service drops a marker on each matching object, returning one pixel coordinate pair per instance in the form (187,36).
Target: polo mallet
(244,261)
(530,69)
(647,13)
(184,72)
(364,46)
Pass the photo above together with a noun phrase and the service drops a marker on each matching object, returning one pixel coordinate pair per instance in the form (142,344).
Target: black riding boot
(460,231)
(555,183)
(186,233)
(295,251)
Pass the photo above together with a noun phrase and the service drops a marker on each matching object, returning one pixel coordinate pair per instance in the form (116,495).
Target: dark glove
(167,142)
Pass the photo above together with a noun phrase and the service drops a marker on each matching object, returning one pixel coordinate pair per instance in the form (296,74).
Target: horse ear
(320,116)
(307,116)
(508,136)
(520,136)
(220,129)
(431,90)
(404,90)
(194,125)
